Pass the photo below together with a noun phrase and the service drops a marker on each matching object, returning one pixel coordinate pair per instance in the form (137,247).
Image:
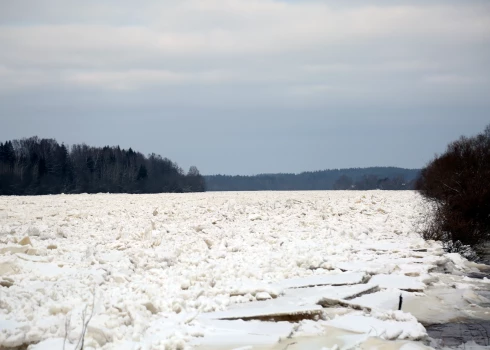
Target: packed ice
(249,270)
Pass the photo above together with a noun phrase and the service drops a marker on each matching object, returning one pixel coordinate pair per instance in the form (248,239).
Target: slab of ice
(275,309)
(387,329)
(315,294)
(398,281)
(323,280)
(387,300)
(222,334)
(292,299)
(388,266)
(362,266)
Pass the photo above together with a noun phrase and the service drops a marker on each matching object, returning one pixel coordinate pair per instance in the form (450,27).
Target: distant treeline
(34,166)
(384,178)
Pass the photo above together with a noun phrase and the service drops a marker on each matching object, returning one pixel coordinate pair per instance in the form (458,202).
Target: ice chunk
(398,281)
(235,334)
(323,280)
(277,310)
(386,329)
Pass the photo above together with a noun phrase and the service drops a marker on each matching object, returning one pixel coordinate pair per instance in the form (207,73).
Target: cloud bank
(251,71)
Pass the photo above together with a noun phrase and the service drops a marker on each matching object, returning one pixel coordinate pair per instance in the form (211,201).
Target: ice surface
(266,310)
(398,281)
(337,279)
(315,294)
(388,300)
(383,328)
(161,269)
(53,343)
(235,334)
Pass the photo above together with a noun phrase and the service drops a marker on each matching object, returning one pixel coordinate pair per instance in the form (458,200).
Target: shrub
(457,184)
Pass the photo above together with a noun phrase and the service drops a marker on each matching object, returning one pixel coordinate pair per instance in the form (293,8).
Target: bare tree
(457,185)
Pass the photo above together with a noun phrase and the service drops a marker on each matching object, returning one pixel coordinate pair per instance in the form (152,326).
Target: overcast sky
(248,86)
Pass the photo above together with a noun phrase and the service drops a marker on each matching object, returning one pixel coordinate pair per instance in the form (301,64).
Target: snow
(183,271)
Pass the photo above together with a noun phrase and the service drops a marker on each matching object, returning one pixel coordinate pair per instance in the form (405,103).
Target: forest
(35,166)
(383,178)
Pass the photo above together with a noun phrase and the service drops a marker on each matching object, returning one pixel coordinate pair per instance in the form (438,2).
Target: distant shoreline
(371,178)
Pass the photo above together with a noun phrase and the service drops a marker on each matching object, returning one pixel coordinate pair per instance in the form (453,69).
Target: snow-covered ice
(398,281)
(225,270)
(334,279)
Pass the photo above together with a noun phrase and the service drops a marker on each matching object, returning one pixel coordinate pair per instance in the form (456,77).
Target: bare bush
(457,184)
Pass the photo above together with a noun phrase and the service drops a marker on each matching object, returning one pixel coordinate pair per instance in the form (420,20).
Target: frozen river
(256,270)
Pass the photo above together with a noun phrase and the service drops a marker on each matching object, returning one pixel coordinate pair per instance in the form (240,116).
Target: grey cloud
(248,86)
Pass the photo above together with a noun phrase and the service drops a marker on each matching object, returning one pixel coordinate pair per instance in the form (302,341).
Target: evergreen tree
(42,166)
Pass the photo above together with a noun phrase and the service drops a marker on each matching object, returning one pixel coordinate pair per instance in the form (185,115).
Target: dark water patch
(484,254)
(455,334)
(479,275)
